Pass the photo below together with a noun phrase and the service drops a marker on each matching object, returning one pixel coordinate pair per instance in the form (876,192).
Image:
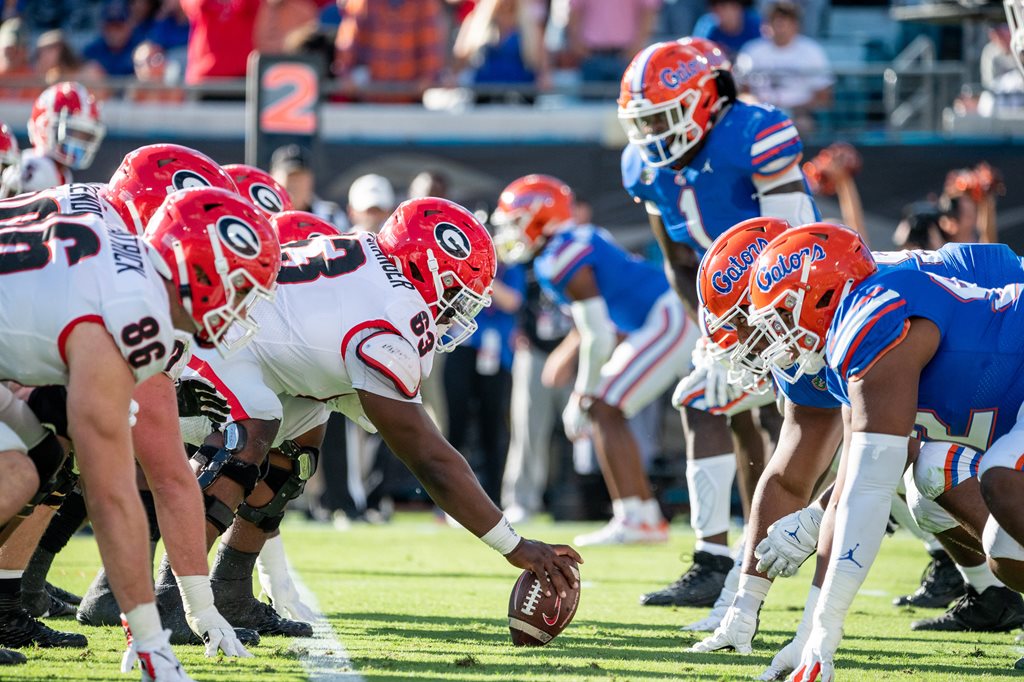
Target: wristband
(502,538)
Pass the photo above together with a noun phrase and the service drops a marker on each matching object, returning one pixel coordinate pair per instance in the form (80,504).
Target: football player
(700,161)
(607,290)
(889,343)
(260,188)
(811,434)
(111,328)
(10,159)
(65,131)
(418,284)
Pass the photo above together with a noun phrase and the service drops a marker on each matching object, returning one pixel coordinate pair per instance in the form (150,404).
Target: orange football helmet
(667,101)
(529,210)
(797,285)
(711,51)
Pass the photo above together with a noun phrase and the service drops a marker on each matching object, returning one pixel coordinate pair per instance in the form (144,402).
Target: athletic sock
(68,519)
(712,548)
(144,623)
(979,577)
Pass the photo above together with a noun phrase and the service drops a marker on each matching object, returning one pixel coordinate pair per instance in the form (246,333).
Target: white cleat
(736,632)
(621,532)
(156,660)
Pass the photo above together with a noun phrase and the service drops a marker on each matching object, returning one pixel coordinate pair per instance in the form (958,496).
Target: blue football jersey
(986,265)
(716,190)
(628,284)
(972,389)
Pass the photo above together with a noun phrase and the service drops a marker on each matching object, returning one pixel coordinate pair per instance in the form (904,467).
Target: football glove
(790,541)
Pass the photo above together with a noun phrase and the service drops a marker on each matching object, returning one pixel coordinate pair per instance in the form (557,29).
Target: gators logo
(723,280)
(786,264)
(683,71)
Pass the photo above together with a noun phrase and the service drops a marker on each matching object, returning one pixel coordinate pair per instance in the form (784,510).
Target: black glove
(198,398)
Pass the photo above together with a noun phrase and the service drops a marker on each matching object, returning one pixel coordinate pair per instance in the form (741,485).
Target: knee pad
(999,544)
(48,457)
(215,462)
(49,404)
(930,517)
(286,484)
(64,483)
(709,482)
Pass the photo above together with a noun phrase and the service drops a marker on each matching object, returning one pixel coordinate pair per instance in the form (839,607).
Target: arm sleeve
(597,341)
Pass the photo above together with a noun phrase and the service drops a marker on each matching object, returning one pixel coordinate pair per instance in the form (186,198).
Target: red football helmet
(295,226)
(529,210)
(147,175)
(221,254)
(65,125)
(448,256)
(10,157)
(260,188)
(667,101)
(717,59)
(799,281)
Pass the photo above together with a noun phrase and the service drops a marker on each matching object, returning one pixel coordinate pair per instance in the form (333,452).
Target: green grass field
(418,600)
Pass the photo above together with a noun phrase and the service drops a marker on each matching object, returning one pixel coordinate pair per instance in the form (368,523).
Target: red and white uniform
(344,318)
(38,172)
(83,272)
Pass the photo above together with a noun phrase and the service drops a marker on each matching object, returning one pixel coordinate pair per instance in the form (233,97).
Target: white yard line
(322,655)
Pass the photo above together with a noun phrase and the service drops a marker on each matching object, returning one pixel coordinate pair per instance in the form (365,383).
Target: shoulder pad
(394,358)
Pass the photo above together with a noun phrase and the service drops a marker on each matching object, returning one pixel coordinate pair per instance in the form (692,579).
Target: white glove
(205,620)
(277,583)
(575,420)
(785,661)
(736,632)
(816,661)
(133,410)
(790,541)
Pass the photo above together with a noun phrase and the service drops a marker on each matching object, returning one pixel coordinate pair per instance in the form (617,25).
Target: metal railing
(917,87)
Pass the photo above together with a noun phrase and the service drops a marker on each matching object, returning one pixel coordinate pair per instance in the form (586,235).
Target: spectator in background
(399,43)
(152,69)
(112,49)
(143,16)
(812,14)
(371,199)
(479,372)
(56,61)
(920,227)
(428,183)
(730,23)
(678,17)
(786,69)
(604,36)
(170,28)
(279,19)
(290,165)
(220,40)
(1001,80)
(14,64)
(502,41)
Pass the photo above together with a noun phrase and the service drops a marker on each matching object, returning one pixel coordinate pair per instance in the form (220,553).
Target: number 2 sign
(282,104)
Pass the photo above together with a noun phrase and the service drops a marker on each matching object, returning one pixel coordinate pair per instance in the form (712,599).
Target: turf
(418,600)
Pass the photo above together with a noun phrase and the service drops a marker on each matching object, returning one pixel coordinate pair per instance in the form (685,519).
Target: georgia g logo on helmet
(265,197)
(452,240)
(186,179)
(238,236)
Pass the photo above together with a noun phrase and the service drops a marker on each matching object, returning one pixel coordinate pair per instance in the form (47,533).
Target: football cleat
(19,629)
(8,657)
(699,586)
(997,609)
(622,532)
(63,595)
(941,585)
(44,605)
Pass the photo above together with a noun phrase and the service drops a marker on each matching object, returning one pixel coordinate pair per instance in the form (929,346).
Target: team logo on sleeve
(723,280)
(265,197)
(769,275)
(185,179)
(238,236)
(453,240)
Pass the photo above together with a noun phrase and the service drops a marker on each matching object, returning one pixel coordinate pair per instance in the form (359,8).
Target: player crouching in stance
(121,299)
(607,290)
(353,328)
(889,343)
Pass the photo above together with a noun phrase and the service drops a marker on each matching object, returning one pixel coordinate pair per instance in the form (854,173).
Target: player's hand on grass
(217,634)
(816,660)
(285,599)
(785,661)
(790,541)
(551,564)
(736,632)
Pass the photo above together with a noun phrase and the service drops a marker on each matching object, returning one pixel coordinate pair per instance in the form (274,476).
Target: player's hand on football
(736,632)
(216,633)
(789,542)
(198,398)
(552,564)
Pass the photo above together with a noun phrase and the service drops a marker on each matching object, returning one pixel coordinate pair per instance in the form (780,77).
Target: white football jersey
(344,318)
(63,270)
(76,197)
(38,172)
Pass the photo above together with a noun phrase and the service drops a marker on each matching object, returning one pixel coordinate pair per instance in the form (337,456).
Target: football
(535,619)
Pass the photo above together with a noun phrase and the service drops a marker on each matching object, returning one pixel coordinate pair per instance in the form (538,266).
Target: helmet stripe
(641,61)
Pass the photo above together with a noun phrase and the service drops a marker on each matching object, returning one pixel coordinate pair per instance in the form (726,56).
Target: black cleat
(45,605)
(941,585)
(18,629)
(699,586)
(99,607)
(63,595)
(997,609)
(8,657)
(261,617)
